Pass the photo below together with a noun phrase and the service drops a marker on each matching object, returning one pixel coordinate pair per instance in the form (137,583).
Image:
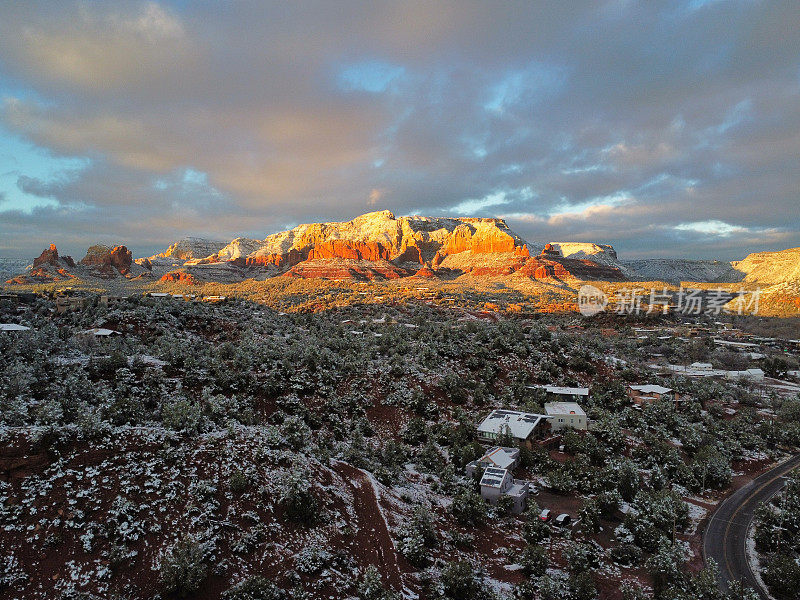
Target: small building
(521,426)
(645,394)
(566,394)
(497,483)
(69,303)
(99,332)
(565,415)
(13,327)
(749,374)
(497,457)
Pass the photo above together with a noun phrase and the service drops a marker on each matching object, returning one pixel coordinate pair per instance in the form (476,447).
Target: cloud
(718,228)
(616,123)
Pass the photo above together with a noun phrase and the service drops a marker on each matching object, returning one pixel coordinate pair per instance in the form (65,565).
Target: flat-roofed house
(565,415)
(523,427)
(557,393)
(497,483)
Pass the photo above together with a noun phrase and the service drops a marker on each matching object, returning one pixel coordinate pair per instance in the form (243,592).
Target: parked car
(545,515)
(563,520)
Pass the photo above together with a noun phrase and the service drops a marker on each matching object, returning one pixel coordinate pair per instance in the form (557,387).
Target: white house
(496,483)
(498,457)
(563,415)
(522,426)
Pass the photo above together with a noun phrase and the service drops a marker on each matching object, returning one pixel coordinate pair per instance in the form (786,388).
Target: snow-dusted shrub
(10,572)
(181,414)
(255,587)
(121,522)
(371,586)
(413,548)
(183,567)
(298,499)
(312,559)
(464,581)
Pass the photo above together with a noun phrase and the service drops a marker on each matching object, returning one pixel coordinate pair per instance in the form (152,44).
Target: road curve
(725,537)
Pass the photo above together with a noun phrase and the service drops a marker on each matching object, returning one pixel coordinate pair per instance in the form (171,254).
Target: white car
(563,520)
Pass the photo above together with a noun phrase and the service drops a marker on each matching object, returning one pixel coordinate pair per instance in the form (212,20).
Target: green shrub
(183,568)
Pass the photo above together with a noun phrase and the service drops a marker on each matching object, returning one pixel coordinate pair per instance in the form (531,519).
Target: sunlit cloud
(718,228)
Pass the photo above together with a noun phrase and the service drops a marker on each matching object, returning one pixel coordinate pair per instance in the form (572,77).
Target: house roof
(520,424)
(651,389)
(569,391)
(563,408)
(100,331)
(493,477)
(13,327)
(502,458)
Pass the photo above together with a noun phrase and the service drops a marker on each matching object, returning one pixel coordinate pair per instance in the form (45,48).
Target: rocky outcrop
(339,268)
(180,277)
(47,257)
(378,236)
(192,248)
(569,269)
(103,259)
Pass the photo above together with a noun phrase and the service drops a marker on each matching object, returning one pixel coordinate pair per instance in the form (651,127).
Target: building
(106,300)
(13,327)
(521,426)
(497,457)
(566,394)
(497,483)
(565,415)
(645,394)
(67,303)
(99,332)
(749,374)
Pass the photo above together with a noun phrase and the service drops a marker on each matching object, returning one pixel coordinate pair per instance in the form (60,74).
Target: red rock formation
(569,269)
(180,277)
(48,257)
(549,250)
(103,258)
(466,237)
(350,250)
(346,269)
(426,272)
(410,254)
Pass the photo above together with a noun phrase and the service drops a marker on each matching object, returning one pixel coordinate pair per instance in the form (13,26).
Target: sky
(668,129)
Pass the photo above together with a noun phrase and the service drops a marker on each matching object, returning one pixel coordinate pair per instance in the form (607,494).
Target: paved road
(725,537)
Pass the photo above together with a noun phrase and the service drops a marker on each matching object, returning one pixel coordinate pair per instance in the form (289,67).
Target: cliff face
(379,245)
(376,236)
(771,268)
(192,247)
(675,270)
